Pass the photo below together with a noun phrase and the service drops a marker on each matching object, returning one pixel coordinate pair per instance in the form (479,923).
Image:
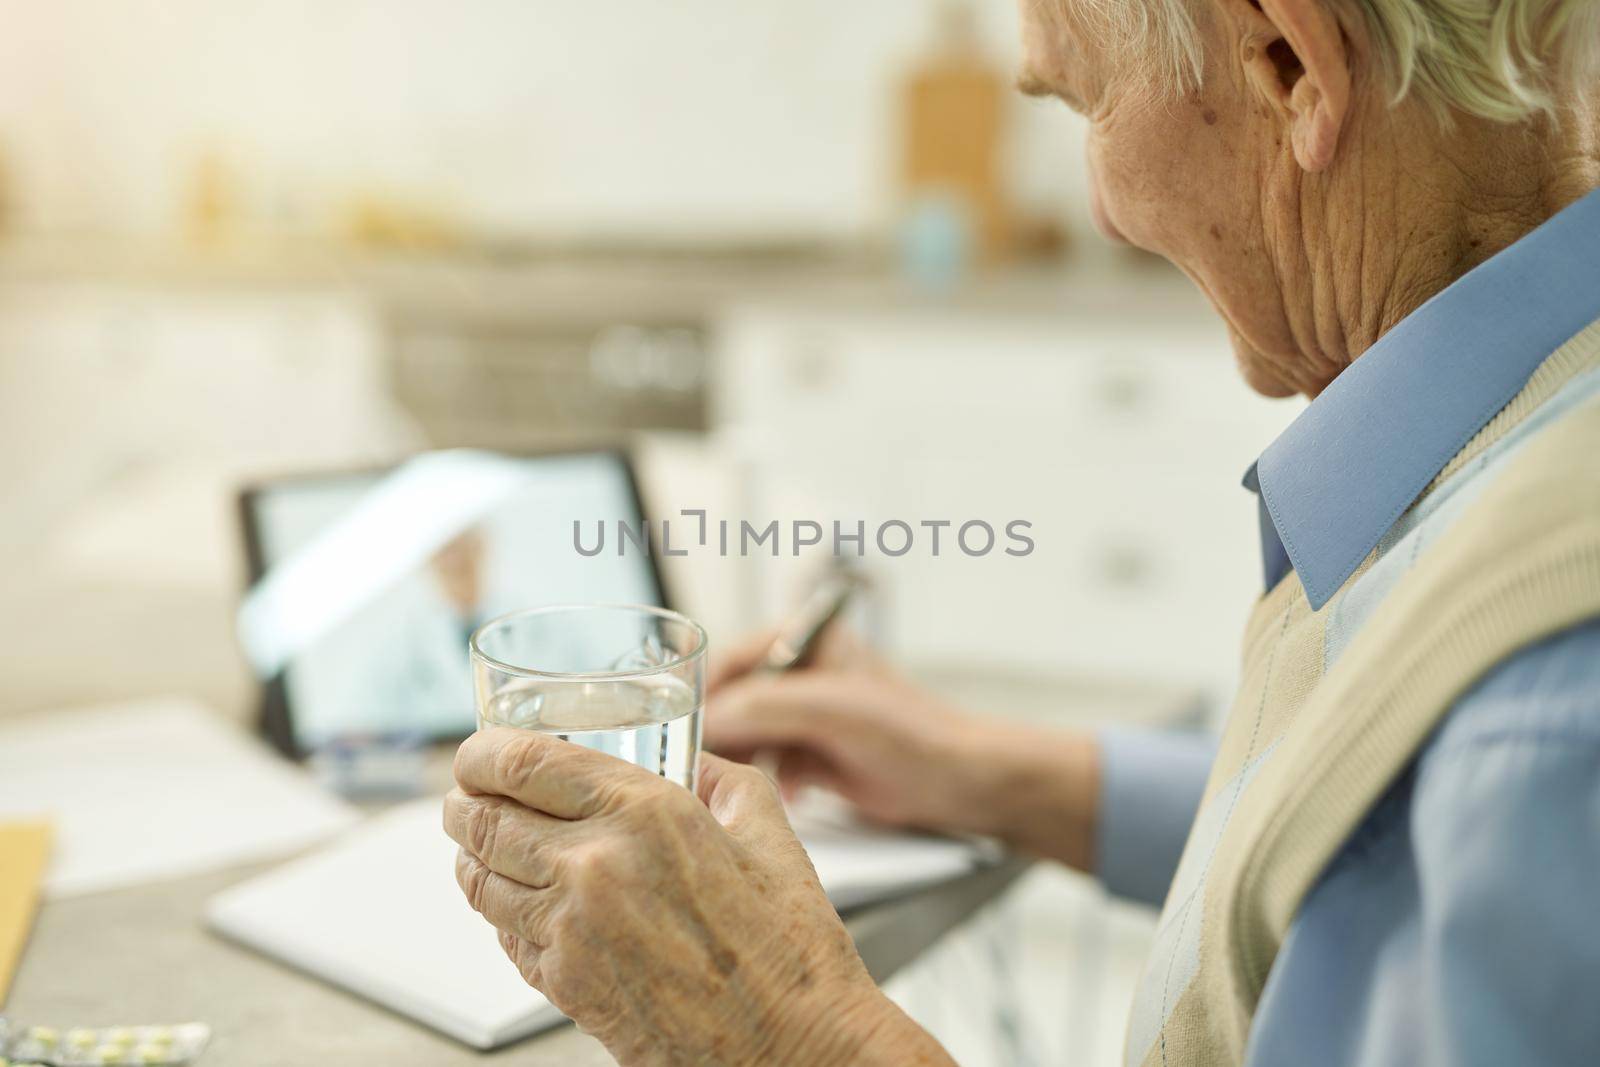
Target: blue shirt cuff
(1151,783)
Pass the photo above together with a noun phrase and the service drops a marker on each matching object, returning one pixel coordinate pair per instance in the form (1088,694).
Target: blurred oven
(521,381)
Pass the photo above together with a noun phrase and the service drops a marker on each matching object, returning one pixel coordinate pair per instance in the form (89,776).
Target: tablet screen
(387,651)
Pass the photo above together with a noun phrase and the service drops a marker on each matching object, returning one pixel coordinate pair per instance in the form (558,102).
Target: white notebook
(378,913)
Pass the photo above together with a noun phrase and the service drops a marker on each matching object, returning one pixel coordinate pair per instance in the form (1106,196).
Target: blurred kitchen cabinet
(1117,427)
(99,381)
(130,414)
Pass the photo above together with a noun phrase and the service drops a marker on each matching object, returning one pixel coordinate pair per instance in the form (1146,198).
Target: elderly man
(1393,853)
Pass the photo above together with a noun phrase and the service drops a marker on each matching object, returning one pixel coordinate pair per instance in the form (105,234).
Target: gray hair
(1503,60)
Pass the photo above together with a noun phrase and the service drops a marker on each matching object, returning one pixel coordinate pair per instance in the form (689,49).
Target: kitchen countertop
(648,283)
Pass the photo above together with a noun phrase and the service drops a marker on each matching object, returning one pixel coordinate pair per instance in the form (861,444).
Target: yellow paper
(24,849)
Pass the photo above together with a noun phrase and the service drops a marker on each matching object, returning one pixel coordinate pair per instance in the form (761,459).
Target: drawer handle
(1123,390)
(1124,566)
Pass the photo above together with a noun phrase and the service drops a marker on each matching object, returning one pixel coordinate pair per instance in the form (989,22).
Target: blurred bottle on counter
(383,221)
(210,201)
(6,204)
(952,108)
(936,239)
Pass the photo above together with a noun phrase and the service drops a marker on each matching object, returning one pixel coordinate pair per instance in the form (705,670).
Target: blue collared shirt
(1456,926)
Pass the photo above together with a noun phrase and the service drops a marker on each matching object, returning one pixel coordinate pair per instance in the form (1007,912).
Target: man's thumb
(737,794)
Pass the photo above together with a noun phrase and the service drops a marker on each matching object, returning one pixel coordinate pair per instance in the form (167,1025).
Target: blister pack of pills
(147,1046)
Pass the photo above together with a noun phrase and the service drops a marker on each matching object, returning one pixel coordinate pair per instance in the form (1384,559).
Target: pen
(799,635)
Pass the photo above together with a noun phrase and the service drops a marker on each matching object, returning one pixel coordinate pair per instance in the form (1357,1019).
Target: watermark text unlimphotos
(741,537)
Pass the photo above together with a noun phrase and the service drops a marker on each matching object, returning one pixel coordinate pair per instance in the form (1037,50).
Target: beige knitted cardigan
(1305,754)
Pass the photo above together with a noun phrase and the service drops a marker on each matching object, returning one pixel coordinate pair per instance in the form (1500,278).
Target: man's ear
(1295,55)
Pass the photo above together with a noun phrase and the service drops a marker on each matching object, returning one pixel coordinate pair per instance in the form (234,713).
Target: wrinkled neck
(1453,198)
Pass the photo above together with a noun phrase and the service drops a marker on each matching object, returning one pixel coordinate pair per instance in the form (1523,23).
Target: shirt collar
(1361,453)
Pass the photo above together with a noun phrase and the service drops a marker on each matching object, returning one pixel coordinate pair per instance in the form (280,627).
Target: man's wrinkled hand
(674,927)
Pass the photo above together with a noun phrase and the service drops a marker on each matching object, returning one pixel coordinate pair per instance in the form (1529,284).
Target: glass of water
(622,679)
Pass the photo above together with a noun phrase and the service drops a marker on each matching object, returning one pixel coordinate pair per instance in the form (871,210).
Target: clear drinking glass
(623,679)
